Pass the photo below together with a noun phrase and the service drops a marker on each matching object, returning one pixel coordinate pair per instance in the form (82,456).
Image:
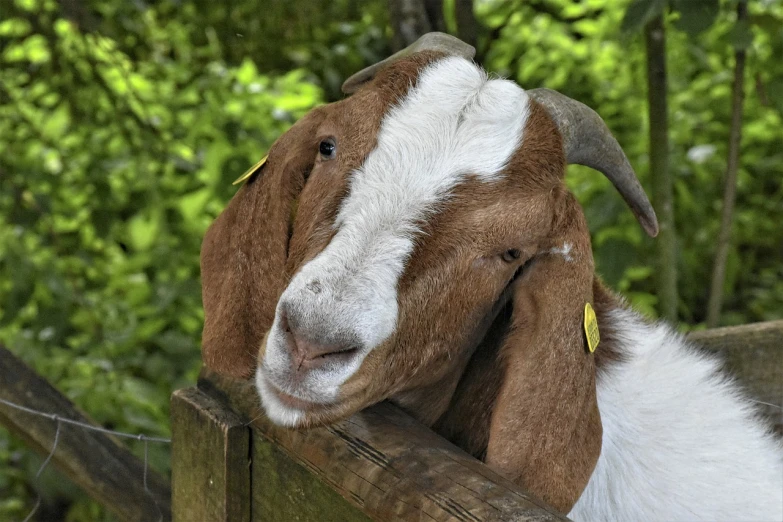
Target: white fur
(453,124)
(277,412)
(680,441)
(564,251)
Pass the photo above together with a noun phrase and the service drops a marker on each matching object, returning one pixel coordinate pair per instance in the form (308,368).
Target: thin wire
(767,403)
(35,508)
(146,450)
(84,424)
(146,489)
(60,420)
(43,466)
(54,447)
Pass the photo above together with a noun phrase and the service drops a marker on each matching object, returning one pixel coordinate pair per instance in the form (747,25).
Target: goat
(437,260)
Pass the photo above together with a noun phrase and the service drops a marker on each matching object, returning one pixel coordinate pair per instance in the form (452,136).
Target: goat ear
(545,431)
(244,252)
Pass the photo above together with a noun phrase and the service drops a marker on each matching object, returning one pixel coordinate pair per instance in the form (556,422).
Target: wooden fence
(231,464)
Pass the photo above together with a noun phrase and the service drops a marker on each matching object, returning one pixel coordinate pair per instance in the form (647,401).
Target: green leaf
(191,205)
(695,15)
(33,49)
(14,27)
(639,13)
(28,5)
(775,92)
(768,23)
(57,122)
(247,72)
(143,229)
(150,327)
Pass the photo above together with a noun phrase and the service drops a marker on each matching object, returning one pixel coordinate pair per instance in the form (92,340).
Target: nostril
(284,322)
(314,286)
(342,352)
(313,355)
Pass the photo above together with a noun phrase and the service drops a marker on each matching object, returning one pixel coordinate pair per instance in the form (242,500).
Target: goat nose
(309,355)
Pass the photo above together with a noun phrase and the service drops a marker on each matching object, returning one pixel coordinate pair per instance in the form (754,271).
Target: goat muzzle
(308,355)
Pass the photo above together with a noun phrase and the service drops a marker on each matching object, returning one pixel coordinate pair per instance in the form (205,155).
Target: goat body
(680,440)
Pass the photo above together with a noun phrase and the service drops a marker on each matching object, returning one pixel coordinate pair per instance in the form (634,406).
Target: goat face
(406,238)
(417,200)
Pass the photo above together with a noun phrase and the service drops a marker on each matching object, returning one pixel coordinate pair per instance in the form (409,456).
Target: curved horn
(429,42)
(588,141)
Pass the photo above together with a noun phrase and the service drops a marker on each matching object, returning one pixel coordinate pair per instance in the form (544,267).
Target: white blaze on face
(454,123)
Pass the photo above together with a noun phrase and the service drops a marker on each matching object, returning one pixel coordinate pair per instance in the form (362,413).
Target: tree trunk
(730,193)
(434,10)
(467,26)
(666,272)
(409,21)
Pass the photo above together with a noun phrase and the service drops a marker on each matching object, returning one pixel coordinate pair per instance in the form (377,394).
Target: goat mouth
(293,402)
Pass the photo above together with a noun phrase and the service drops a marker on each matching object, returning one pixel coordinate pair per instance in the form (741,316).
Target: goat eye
(327,148)
(511,255)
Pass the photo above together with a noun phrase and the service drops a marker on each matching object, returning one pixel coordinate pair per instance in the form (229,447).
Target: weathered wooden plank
(96,462)
(754,354)
(767,335)
(380,461)
(210,460)
(283,489)
(383,465)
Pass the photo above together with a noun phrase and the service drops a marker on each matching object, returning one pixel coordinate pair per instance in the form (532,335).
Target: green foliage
(112,168)
(123,124)
(695,15)
(640,12)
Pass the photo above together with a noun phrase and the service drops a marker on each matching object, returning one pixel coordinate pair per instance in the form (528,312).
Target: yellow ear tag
(252,170)
(591,328)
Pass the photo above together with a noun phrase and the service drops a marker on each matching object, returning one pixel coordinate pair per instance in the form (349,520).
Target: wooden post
(210,464)
(98,463)
(754,354)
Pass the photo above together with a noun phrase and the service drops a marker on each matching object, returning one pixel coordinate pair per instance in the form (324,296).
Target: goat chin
(680,439)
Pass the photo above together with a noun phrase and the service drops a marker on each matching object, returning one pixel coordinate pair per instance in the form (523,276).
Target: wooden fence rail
(378,465)
(229,463)
(96,462)
(754,355)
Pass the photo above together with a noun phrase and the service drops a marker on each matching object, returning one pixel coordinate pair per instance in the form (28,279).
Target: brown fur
(246,260)
(527,403)
(244,253)
(545,431)
(520,393)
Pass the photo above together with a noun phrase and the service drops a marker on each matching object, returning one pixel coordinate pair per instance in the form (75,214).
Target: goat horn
(588,141)
(429,42)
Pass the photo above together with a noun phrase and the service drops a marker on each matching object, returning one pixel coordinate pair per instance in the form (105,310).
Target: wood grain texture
(380,464)
(96,462)
(210,460)
(286,490)
(767,335)
(753,353)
